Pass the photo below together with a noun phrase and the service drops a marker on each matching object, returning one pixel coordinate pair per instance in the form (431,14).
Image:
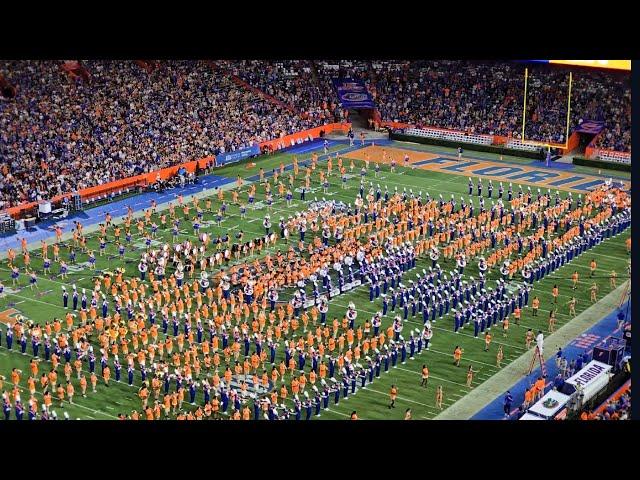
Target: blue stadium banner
(353,93)
(591,126)
(236,156)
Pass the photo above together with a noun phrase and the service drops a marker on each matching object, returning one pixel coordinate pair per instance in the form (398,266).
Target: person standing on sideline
(470,373)
(508,402)
(540,341)
(460,153)
(407,414)
(499,357)
(439,397)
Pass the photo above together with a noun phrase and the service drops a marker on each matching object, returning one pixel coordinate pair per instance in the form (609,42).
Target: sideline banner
(353,93)
(237,155)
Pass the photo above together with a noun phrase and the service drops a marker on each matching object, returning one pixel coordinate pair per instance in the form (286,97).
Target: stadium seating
(123,121)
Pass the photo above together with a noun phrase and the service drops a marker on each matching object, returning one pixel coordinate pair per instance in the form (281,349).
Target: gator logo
(8,315)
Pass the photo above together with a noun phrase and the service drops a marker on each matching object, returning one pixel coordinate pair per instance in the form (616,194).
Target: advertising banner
(236,156)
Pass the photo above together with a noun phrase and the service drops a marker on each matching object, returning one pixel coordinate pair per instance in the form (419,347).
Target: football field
(45,302)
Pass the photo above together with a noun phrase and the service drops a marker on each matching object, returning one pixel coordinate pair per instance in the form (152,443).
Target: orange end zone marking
(376,153)
(6,315)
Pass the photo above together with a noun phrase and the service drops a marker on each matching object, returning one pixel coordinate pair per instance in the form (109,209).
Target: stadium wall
(500,150)
(588,162)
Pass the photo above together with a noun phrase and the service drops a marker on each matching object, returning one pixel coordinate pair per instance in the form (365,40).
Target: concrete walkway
(480,396)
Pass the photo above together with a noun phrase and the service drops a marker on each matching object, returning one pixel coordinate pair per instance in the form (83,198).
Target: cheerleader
(46,265)
(63,269)
(2,294)
(393,165)
(499,357)
(243,211)
(33,280)
(92,260)
(470,373)
(439,397)
(120,251)
(174,232)
(196,226)
(289,197)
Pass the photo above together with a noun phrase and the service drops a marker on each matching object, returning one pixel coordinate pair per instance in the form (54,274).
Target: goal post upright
(524,116)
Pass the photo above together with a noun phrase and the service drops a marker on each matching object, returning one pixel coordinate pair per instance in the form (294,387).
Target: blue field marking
(535,163)
(594,336)
(556,165)
(437,160)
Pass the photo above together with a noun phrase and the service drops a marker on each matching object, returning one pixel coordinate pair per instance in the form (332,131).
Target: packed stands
(292,82)
(123,121)
(619,409)
(487,98)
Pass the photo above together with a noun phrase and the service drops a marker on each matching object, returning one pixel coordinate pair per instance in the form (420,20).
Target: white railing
(615,157)
(451,135)
(516,144)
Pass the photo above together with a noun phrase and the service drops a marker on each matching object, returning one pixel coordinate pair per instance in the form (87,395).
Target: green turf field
(370,403)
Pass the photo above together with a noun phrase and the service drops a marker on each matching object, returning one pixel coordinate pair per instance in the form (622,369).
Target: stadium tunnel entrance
(585,140)
(362,118)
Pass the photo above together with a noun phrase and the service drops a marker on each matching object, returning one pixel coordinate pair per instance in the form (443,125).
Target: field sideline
(371,402)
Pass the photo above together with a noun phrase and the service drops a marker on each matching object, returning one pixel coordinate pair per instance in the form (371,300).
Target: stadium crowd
(122,122)
(292,82)
(619,409)
(487,98)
